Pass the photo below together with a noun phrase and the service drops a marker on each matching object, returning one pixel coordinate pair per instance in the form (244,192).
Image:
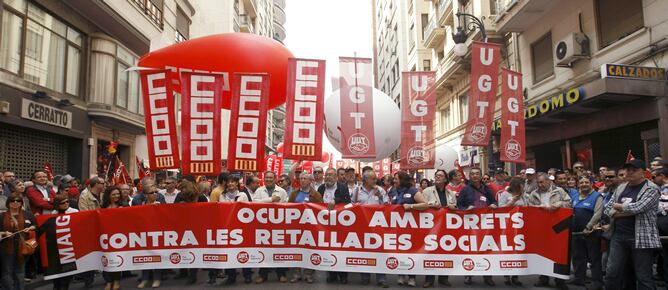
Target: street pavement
(353,284)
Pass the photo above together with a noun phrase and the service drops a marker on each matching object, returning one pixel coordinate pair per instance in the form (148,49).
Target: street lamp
(460,36)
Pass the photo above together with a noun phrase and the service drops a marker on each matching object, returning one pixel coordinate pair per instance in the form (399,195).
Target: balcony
(250,8)
(445,16)
(520,15)
(280,3)
(279,32)
(279,14)
(434,34)
(246,24)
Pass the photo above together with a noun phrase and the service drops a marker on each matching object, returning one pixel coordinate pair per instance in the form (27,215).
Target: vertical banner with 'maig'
(201,101)
(248,122)
(160,119)
(304,109)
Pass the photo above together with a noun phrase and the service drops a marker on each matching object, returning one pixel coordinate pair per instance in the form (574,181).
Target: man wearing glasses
(318,177)
(148,186)
(635,235)
(170,190)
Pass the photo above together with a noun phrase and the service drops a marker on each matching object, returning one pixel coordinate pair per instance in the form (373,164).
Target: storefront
(599,122)
(35,129)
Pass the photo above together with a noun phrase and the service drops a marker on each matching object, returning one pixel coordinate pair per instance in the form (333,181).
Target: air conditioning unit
(4,107)
(571,48)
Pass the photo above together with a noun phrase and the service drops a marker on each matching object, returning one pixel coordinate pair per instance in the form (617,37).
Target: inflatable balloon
(386,122)
(230,53)
(279,148)
(445,157)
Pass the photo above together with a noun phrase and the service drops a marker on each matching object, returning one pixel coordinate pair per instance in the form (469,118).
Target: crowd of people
(619,215)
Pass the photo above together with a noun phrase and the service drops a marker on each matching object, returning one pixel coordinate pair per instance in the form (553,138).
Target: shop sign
(46,114)
(622,71)
(549,104)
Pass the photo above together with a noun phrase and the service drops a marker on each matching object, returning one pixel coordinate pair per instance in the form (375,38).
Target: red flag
(460,169)
(201,100)
(396,167)
(385,166)
(248,122)
(140,168)
(160,118)
(48,170)
(512,118)
(629,157)
(121,175)
(418,112)
(356,94)
(484,71)
(304,109)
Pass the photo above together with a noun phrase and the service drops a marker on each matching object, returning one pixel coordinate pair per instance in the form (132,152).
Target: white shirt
(363,196)
(262,194)
(68,211)
(328,195)
(169,198)
(44,192)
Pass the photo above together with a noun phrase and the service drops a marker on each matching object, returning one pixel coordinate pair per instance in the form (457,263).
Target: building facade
(594,73)
(66,87)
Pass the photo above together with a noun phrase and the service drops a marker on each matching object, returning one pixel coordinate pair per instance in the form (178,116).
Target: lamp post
(461,35)
(460,49)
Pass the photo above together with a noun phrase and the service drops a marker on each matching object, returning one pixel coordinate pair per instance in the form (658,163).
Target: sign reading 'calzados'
(375,239)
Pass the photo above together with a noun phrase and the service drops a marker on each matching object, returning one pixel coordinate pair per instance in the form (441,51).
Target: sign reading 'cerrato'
(622,71)
(46,114)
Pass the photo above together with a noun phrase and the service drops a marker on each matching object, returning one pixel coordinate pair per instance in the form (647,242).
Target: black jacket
(341,195)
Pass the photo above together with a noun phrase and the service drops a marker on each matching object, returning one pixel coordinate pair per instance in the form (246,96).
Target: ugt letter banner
(417,120)
(201,100)
(484,71)
(248,122)
(160,119)
(512,118)
(371,239)
(304,109)
(356,99)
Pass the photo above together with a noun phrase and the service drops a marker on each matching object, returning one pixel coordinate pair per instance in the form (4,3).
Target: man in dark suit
(333,193)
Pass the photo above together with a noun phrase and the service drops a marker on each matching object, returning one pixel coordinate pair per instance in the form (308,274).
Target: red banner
(304,109)
(356,94)
(418,112)
(396,167)
(160,119)
(49,171)
(140,168)
(385,167)
(248,122)
(121,175)
(513,145)
(375,239)
(484,71)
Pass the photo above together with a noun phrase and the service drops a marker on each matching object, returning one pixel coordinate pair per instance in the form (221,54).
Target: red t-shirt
(497,189)
(456,189)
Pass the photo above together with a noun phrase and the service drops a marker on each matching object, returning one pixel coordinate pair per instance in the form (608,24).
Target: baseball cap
(530,171)
(635,163)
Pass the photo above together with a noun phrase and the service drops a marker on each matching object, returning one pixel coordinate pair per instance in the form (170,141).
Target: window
(425,23)
(182,26)
(411,36)
(152,9)
(464,108)
(127,82)
(445,120)
(40,48)
(426,65)
(617,19)
(541,54)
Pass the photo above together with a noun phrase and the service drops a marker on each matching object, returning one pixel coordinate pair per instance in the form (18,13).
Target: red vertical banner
(418,112)
(278,165)
(376,168)
(304,109)
(160,118)
(248,122)
(513,145)
(385,166)
(484,71)
(356,94)
(396,167)
(269,161)
(201,100)
(49,172)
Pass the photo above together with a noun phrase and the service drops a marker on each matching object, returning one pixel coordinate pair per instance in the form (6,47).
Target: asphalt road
(354,283)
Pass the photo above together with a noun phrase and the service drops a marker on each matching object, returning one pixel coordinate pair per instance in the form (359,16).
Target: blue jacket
(141,198)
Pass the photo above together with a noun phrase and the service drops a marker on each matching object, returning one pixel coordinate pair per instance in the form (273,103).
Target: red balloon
(325,157)
(228,52)
(279,148)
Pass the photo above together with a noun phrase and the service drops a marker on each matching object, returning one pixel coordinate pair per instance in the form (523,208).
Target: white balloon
(445,157)
(386,123)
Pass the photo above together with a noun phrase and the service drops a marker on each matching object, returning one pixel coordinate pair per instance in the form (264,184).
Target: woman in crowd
(232,190)
(112,199)
(62,206)
(151,197)
(424,183)
(514,196)
(15,187)
(572,183)
(189,193)
(204,188)
(406,196)
(13,226)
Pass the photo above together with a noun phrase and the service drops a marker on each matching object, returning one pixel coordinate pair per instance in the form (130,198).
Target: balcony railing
(504,5)
(246,25)
(444,12)
(434,34)
(151,10)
